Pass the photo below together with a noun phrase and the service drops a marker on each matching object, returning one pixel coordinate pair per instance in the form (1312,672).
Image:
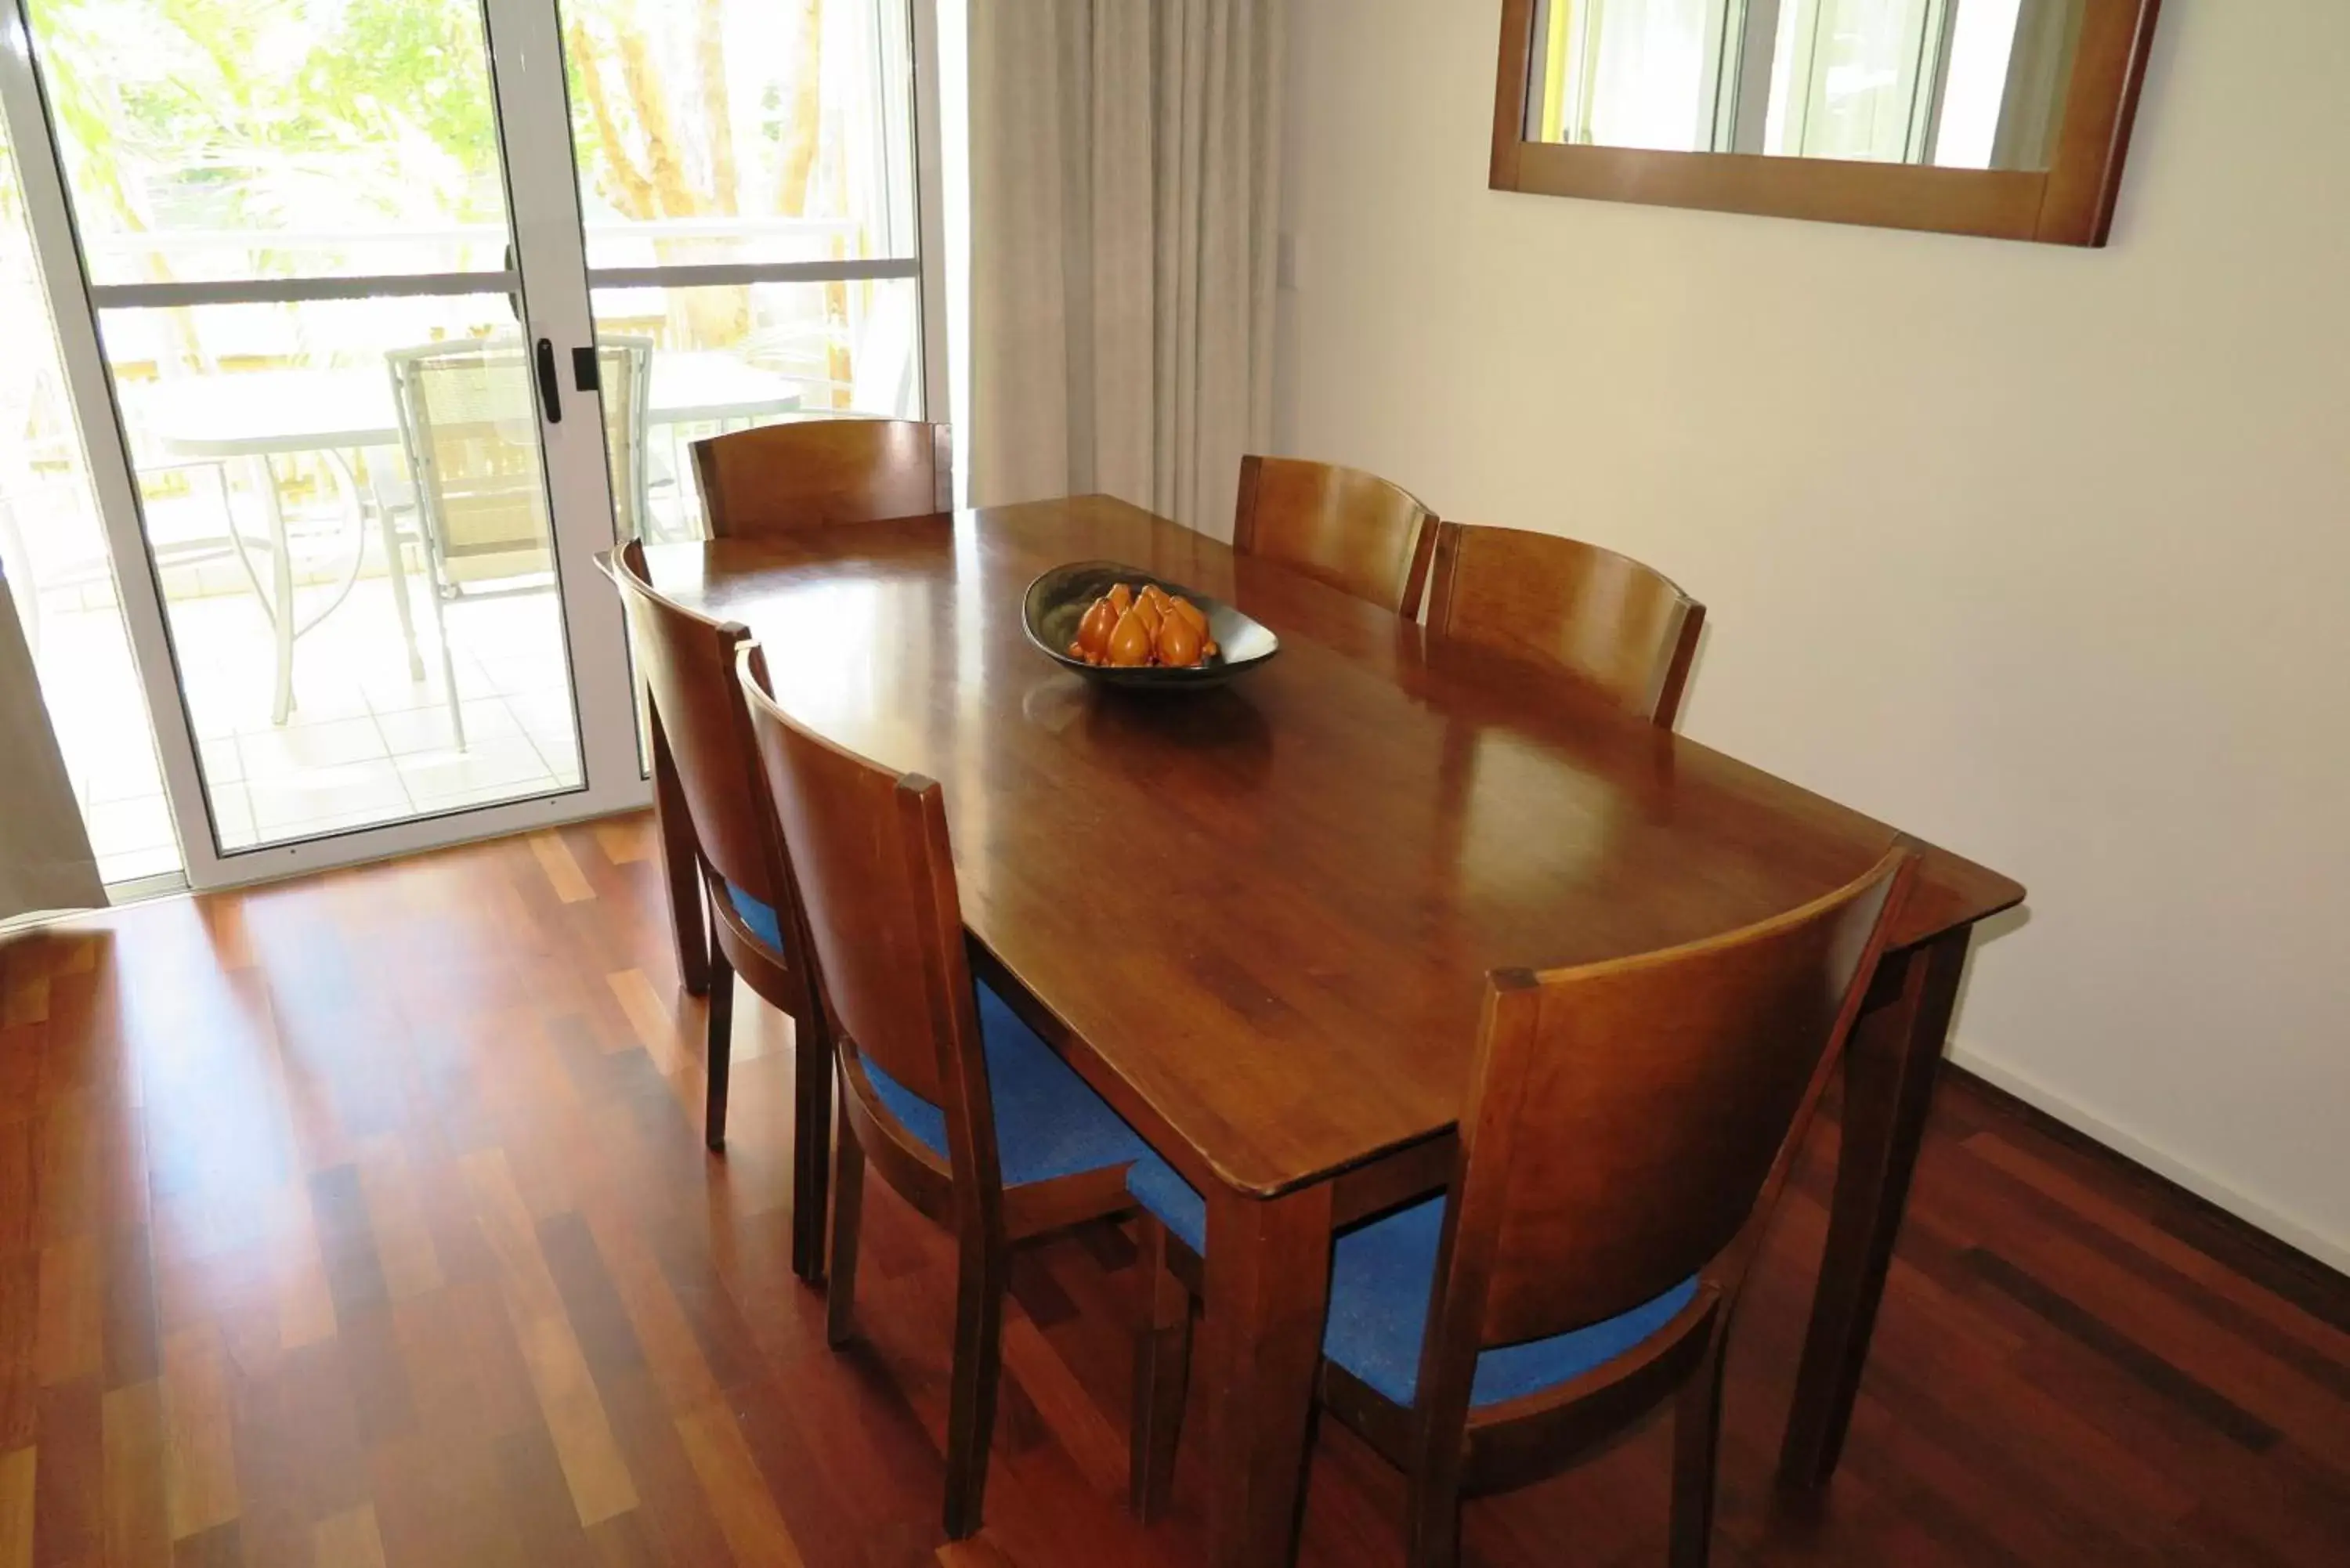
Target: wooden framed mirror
(2004,119)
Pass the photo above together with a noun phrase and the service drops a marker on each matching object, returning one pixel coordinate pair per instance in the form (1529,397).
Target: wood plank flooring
(364,1221)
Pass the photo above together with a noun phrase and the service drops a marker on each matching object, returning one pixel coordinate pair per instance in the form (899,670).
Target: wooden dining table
(1258,919)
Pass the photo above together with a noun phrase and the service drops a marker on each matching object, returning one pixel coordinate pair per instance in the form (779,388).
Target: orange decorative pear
(1179,645)
(1129,644)
(1093,632)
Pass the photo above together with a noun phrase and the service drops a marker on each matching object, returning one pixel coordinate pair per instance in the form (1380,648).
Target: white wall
(2042,553)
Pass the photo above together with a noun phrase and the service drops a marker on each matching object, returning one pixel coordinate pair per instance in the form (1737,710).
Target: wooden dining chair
(1624,628)
(807,472)
(803,473)
(1352,530)
(1628,1129)
(702,733)
(957,1102)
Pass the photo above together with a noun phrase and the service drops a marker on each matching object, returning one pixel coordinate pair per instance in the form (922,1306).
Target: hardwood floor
(366,1220)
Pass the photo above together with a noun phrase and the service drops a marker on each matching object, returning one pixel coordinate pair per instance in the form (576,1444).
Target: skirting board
(2334,1251)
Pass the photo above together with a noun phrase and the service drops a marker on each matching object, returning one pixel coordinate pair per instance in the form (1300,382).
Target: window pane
(1853,78)
(726,359)
(1632,73)
(378,459)
(230,139)
(741,130)
(1983,41)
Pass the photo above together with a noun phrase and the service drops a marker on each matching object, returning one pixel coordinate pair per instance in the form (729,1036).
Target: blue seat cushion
(1174,1200)
(1381,1274)
(761,918)
(1049,1121)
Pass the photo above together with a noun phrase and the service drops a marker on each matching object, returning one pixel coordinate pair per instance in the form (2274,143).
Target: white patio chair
(468,429)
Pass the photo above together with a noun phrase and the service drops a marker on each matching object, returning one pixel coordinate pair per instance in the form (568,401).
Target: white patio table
(254,416)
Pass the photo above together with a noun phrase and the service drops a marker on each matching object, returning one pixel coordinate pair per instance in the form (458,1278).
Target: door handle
(550,395)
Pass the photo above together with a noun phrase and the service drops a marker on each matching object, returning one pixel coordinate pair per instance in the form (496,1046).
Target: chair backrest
(1626,629)
(687,664)
(624,380)
(806,472)
(469,428)
(1630,1122)
(1350,529)
(876,882)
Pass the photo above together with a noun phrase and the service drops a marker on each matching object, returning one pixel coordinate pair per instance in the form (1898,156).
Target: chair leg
(1162,1366)
(719,1054)
(281,592)
(1696,1431)
(847,1203)
(811,1145)
(433,597)
(680,867)
(1431,1530)
(971,1413)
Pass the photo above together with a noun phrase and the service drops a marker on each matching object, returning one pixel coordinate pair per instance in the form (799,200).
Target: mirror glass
(1961,84)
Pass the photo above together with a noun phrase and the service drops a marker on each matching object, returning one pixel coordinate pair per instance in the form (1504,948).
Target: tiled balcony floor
(365,743)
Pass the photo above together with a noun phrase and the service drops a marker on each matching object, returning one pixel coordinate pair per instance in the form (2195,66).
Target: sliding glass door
(746,171)
(383,317)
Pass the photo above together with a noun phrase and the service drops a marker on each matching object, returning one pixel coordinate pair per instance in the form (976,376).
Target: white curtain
(1124,207)
(44,859)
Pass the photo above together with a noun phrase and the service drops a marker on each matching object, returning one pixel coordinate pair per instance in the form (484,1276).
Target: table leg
(395,563)
(1268,1292)
(680,870)
(281,590)
(1889,1071)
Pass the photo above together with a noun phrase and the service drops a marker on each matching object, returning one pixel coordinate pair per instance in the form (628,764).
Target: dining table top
(1262,915)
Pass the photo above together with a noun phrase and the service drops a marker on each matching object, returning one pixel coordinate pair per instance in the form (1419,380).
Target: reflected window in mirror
(1954,83)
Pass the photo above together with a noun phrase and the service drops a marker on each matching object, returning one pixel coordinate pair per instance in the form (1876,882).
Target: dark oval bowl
(1056,601)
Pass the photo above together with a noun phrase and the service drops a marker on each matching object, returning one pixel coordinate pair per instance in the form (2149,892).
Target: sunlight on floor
(364,744)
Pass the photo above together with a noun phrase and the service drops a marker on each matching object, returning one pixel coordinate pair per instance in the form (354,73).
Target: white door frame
(931,218)
(550,279)
(534,117)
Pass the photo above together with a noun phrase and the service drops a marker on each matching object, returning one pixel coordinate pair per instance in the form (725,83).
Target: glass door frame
(548,278)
